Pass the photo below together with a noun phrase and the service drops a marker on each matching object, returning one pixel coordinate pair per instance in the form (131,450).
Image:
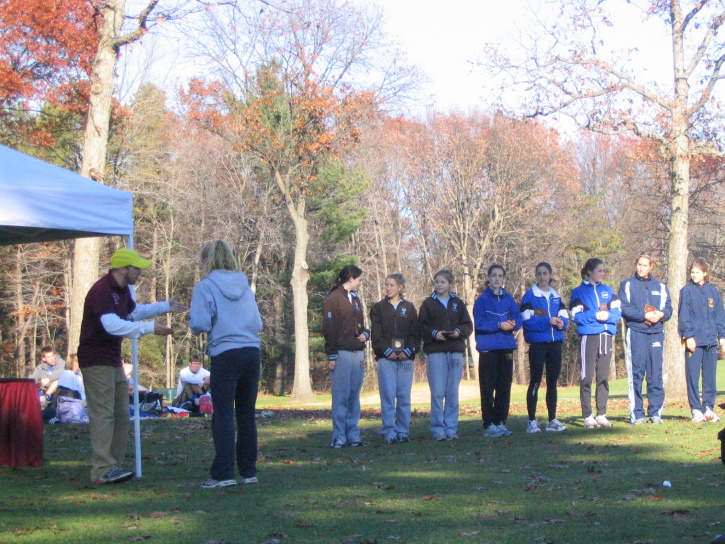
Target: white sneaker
(504,431)
(590,422)
(251,480)
(711,416)
(492,431)
(533,427)
(212,483)
(602,421)
(698,416)
(555,426)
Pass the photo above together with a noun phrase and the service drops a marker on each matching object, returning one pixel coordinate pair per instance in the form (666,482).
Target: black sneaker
(115,475)
(356,443)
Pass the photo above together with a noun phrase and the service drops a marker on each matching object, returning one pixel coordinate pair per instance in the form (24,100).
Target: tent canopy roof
(43,202)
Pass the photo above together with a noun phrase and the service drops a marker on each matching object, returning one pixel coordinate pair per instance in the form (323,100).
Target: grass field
(579,486)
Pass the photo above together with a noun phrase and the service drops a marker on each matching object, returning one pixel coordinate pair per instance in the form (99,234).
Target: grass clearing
(602,486)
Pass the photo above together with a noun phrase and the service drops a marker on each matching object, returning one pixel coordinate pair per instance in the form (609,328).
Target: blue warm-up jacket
(489,311)
(635,293)
(701,314)
(538,328)
(586,300)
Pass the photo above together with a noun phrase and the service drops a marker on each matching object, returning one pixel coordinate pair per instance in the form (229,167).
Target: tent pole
(136,411)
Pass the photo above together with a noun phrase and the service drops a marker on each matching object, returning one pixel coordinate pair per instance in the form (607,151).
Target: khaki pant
(107,397)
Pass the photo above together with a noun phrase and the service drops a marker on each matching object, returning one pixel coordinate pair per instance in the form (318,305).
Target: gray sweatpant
(596,356)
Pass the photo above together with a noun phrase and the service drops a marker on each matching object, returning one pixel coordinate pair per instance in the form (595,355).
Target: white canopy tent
(42,202)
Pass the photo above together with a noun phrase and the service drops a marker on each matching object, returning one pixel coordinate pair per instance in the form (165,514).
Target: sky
(443,38)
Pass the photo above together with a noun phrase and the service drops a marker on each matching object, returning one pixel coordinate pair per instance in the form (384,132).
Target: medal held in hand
(397,344)
(648,309)
(540,312)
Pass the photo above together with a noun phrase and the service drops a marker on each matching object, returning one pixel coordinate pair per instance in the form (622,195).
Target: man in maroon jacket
(110,315)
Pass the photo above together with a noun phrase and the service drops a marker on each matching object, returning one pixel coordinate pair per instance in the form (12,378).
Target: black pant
(234,385)
(495,374)
(543,354)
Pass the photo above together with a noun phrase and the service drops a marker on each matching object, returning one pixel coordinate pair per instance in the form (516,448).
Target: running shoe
(555,426)
(115,475)
(211,483)
(590,422)
(504,430)
(602,421)
(533,427)
(711,416)
(698,416)
(492,431)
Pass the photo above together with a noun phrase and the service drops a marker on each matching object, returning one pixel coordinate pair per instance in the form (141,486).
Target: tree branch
(140,29)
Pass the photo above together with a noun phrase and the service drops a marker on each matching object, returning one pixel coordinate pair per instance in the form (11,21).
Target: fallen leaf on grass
(629,497)
(140,538)
(428,498)
(473,533)
(353,537)
(133,516)
(271,541)
(97,497)
(674,512)
(391,521)
(303,525)
(386,511)
(385,487)
(678,517)
(657,497)
(158,514)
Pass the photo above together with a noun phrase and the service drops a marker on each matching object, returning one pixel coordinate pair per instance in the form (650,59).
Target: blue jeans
(234,384)
(444,376)
(346,381)
(395,379)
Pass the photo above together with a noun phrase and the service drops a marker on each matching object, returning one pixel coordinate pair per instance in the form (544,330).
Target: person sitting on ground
(70,381)
(46,374)
(193,382)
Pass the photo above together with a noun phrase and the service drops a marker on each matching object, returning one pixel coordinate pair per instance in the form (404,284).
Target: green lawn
(578,486)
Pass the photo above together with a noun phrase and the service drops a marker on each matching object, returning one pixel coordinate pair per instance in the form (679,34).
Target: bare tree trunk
(278,319)
(520,358)
(95,144)
(469,293)
(302,387)
(673,369)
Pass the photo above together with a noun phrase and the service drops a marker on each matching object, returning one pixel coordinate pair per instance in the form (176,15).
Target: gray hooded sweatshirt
(223,305)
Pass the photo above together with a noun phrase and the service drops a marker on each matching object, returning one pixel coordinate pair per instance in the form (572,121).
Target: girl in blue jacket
(702,325)
(496,316)
(596,310)
(545,318)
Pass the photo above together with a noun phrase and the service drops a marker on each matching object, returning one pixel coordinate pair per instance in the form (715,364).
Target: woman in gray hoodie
(224,306)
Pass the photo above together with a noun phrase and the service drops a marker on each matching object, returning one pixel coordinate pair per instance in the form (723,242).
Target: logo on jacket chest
(404,312)
(604,295)
(116,299)
(357,306)
(711,302)
(454,306)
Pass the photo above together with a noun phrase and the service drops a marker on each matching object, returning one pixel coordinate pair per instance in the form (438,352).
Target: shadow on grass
(601,485)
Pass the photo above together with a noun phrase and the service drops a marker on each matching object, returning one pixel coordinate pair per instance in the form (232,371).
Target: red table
(21,424)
